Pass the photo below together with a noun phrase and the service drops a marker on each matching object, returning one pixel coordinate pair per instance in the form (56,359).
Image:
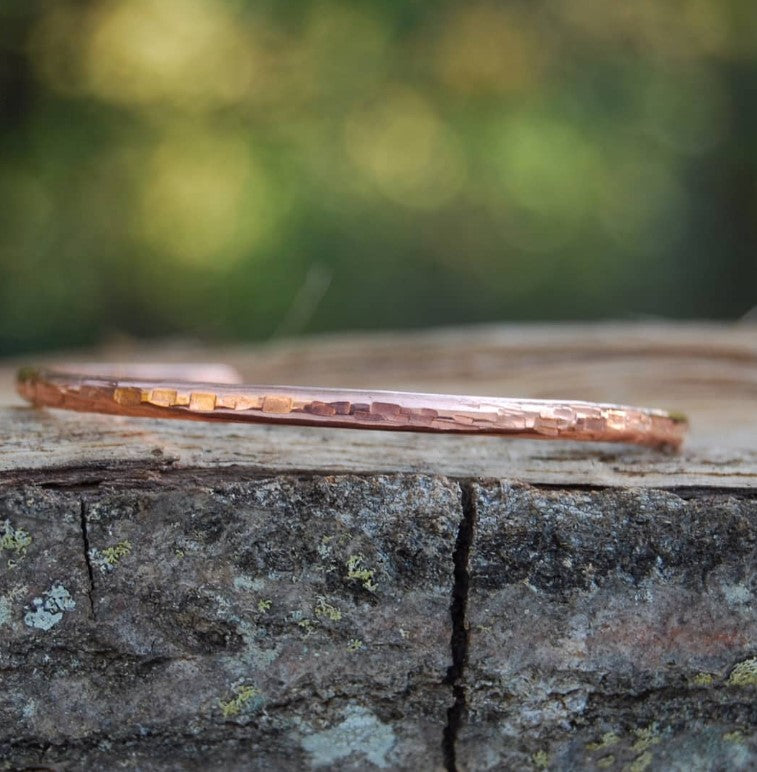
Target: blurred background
(236,170)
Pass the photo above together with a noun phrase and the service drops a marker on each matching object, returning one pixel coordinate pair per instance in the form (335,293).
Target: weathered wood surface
(180,595)
(707,371)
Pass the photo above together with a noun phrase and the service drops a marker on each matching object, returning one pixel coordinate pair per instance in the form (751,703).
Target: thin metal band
(352,409)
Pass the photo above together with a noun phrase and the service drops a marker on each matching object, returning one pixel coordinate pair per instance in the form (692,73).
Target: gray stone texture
(215,619)
(611,629)
(271,623)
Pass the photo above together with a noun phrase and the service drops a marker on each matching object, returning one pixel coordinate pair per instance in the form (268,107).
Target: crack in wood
(90,572)
(460,638)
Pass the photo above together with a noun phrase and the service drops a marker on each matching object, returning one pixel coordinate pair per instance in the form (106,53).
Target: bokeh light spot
(487,48)
(403,146)
(548,171)
(204,200)
(187,52)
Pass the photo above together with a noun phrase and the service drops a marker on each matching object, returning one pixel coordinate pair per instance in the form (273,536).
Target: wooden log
(181,595)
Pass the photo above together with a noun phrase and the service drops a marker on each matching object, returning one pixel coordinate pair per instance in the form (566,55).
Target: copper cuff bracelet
(154,397)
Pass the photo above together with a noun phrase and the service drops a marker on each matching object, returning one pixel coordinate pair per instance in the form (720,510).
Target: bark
(185,596)
(611,629)
(234,622)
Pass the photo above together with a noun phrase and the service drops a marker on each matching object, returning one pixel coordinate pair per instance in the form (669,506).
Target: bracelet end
(26,382)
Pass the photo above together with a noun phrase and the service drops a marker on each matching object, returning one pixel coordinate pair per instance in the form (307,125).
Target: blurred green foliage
(251,169)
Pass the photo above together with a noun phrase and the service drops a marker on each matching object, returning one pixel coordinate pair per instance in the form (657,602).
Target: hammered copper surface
(356,409)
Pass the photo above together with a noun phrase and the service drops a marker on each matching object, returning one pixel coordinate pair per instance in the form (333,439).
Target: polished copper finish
(349,408)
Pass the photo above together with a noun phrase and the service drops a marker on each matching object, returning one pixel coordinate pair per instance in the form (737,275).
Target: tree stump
(177,595)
